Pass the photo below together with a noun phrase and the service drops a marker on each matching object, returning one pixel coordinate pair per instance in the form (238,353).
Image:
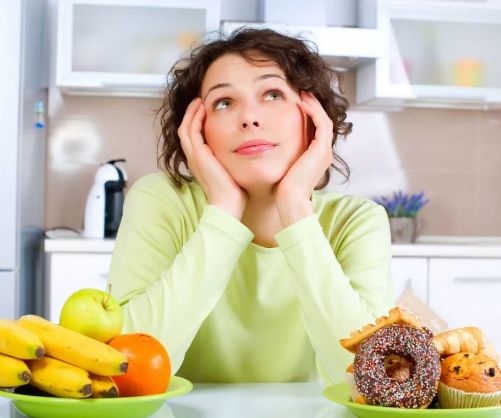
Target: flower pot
(404,230)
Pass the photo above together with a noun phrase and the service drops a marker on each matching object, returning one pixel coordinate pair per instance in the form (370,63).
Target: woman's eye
(221,104)
(273,95)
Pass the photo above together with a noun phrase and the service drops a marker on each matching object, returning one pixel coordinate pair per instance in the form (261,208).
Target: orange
(149,365)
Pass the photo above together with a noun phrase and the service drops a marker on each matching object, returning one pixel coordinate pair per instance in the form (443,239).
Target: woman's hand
(293,193)
(220,188)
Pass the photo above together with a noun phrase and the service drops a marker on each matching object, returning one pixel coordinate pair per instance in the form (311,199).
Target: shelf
(435,96)
(113,84)
(344,48)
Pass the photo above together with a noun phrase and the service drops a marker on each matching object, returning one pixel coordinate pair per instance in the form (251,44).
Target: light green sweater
(228,310)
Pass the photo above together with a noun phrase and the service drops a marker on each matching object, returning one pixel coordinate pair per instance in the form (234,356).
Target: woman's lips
(256,146)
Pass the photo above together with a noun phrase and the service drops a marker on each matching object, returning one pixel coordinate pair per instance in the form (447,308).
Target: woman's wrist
(292,208)
(234,209)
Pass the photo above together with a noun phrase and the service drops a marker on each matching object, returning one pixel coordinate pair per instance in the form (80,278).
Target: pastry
(467,340)
(397,366)
(469,380)
(395,316)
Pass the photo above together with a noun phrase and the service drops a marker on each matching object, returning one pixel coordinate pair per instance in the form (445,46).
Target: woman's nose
(246,124)
(249,116)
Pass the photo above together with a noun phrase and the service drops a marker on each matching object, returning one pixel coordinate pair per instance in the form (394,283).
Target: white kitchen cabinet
(413,272)
(467,292)
(69,272)
(342,47)
(126,47)
(436,53)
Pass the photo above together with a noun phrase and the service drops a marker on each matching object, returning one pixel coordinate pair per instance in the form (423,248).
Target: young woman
(239,266)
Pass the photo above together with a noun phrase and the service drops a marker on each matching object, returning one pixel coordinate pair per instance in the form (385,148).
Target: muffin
(469,380)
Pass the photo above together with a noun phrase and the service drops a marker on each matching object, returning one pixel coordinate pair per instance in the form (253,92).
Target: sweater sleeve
(342,282)
(167,276)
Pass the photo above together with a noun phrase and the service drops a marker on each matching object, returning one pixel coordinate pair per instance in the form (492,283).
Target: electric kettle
(103,210)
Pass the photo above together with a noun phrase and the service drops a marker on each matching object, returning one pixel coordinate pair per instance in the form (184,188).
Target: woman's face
(253,124)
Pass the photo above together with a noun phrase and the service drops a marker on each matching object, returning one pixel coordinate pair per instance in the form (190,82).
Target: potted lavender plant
(402,210)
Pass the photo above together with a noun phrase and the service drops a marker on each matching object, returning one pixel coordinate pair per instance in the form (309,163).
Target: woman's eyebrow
(265,76)
(261,77)
(216,86)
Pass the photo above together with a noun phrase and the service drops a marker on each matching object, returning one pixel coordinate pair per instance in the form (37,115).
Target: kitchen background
(452,155)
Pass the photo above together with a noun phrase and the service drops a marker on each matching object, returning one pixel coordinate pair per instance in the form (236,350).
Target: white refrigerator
(23,95)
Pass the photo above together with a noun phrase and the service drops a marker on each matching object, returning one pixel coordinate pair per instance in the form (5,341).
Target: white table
(273,400)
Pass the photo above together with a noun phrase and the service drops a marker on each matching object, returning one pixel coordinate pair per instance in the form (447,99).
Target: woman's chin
(259,183)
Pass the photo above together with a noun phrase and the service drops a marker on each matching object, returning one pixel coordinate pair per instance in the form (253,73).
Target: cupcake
(469,380)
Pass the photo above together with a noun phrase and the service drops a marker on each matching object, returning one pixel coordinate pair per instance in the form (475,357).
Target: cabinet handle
(111,83)
(477,279)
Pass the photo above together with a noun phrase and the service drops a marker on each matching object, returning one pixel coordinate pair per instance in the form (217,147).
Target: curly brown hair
(304,69)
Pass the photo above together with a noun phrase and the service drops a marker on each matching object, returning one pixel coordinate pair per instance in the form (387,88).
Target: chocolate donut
(419,387)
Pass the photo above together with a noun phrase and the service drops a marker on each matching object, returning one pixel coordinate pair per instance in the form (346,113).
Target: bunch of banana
(75,348)
(57,360)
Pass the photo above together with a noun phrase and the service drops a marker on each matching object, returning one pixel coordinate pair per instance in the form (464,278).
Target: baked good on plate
(469,380)
(466,340)
(397,366)
(395,316)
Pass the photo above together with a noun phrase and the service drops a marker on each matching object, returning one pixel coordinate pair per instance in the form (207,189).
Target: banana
(19,342)
(13,372)
(103,387)
(75,348)
(59,378)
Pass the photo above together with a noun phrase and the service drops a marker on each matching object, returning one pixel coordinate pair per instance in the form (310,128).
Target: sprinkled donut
(419,387)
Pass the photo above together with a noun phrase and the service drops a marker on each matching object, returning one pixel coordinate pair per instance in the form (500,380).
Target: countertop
(426,246)
(261,400)
(450,246)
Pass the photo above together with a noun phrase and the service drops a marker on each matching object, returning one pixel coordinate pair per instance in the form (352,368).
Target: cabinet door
(126,47)
(467,292)
(438,54)
(410,271)
(7,295)
(69,272)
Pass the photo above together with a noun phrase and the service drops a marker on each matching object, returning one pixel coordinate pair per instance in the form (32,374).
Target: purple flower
(402,205)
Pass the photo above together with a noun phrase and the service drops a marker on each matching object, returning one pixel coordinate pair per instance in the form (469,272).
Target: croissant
(467,339)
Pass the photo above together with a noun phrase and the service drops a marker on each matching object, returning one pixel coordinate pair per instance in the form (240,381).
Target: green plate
(341,394)
(126,407)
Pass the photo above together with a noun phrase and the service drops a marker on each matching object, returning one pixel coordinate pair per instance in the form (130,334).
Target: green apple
(94,313)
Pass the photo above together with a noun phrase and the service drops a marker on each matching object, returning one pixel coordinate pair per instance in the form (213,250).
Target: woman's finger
(183,130)
(188,115)
(320,150)
(323,125)
(316,106)
(186,146)
(196,125)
